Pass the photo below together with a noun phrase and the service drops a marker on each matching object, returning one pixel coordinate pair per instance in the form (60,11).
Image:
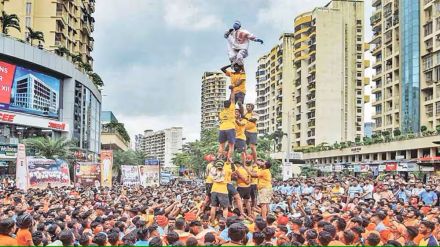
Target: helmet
(219,164)
(236,25)
(24,221)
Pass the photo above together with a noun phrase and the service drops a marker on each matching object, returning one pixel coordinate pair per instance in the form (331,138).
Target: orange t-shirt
(23,237)
(336,243)
(7,241)
(418,238)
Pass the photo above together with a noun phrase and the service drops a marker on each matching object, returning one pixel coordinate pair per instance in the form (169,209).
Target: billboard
(28,91)
(44,171)
(8,151)
(88,174)
(106,167)
(130,175)
(149,175)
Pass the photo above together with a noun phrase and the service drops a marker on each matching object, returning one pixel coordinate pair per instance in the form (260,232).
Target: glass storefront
(87,127)
(410,65)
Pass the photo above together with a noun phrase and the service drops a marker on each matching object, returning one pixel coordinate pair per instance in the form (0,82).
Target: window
(358,22)
(358,65)
(359,30)
(28,21)
(359,101)
(28,8)
(359,38)
(359,83)
(437,108)
(359,47)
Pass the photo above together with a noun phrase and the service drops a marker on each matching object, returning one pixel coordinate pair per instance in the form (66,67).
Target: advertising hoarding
(8,151)
(28,91)
(130,175)
(44,171)
(88,174)
(106,167)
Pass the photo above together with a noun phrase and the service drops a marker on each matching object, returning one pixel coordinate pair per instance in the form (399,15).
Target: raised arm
(224,68)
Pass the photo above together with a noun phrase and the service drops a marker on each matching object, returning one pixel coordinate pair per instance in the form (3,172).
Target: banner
(287,171)
(88,174)
(46,171)
(106,167)
(391,167)
(28,91)
(130,175)
(22,168)
(338,168)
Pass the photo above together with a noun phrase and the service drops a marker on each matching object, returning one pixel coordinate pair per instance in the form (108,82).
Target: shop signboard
(8,151)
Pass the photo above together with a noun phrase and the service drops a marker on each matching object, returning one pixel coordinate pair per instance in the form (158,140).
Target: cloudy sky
(152,53)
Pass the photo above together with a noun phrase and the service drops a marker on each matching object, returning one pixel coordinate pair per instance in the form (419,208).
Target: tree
(35,35)
(51,148)
(96,79)
(9,21)
(61,51)
(397,132)
(77,58)
(387,135)
(123,158)
(423,128)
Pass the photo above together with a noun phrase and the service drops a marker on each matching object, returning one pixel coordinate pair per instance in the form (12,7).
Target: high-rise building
(162,144)
(407,52)
(139,143)
(329,74)
(275,76)
(213,96)
(66,24)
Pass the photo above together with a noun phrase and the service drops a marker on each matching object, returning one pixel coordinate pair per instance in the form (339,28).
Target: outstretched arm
(224,68)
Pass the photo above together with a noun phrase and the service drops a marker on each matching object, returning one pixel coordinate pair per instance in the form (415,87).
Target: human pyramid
(237,132)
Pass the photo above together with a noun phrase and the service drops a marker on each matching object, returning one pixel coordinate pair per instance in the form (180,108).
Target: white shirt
(239,39)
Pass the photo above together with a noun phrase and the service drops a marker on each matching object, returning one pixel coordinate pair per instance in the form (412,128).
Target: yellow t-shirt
(255,169)
(222,187)
(239,130)
(235,78)
(264,179)
(245,174)
(227,118)
(208,179)
(227,168)
(250,126)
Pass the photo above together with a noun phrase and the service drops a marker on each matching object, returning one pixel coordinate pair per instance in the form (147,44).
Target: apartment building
(162,144)
(66,24)
(212,98)
(275,78)
(430,57)
(329,74)
(406,45)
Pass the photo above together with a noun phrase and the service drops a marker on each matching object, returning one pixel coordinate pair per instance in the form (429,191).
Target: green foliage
(35,35)
(193,152)
(9,21)
(51,148)
(61,51)
(96,79)
(423,128)
(397,132)
(437,128)
(119,128)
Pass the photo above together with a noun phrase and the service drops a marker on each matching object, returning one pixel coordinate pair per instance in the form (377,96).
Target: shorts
(245,192)
(227,136)
(232,190)
(239,97)
(265,195)
(251,138)
(219,200)
(240,145)
(254,191)
(208,188)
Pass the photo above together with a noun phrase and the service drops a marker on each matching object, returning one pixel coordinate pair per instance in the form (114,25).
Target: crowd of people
(320,211)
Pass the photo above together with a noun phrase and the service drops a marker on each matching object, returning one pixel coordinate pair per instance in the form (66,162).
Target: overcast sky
(151,54)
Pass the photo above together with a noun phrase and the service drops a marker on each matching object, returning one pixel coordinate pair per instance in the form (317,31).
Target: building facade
(212,98)
(162,144)
(275,84)
(43,94)
(66,24)
(111,136)
(329,84)
(406,92)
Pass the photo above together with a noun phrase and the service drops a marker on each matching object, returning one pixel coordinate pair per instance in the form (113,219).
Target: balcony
(376,17)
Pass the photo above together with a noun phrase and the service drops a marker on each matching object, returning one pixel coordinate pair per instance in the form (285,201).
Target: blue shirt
(224,235)
(141,243)
(428,197)
(354,190)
